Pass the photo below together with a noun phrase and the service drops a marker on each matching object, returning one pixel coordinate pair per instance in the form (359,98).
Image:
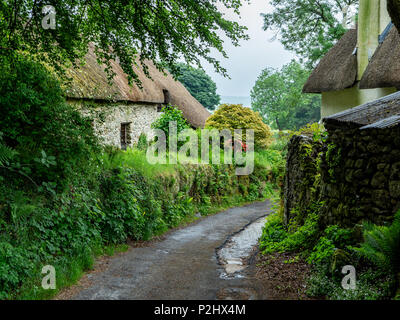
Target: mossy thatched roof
(90,82)
(337,70)
(380,113)
(384,68)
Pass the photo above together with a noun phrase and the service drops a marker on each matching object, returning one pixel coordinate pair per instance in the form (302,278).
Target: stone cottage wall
(109,117)
(358,175)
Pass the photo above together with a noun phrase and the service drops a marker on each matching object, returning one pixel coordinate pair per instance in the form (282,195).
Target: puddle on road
(234,254)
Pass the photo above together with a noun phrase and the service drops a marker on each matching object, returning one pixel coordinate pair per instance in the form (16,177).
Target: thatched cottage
(363,66)
(122,112)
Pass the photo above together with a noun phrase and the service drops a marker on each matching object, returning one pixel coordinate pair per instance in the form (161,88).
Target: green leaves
(231,117)
(382,245)
(277,96)
(54,142)
(308,28)
(6,153)
(200,85)
(45,160)
(161,31)
(170,114)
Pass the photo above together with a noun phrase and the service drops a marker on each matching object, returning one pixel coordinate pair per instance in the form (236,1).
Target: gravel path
(182,266)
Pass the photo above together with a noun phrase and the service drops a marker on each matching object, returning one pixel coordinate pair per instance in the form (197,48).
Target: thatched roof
(380,113)
(384,68)
(337,70)
(90,82)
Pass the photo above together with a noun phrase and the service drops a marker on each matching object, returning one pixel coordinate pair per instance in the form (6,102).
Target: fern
(382,245)
(6,153)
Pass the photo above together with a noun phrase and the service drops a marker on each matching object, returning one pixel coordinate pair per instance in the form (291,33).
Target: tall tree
(309,27)
(200,85)
(277,96)
(159,30)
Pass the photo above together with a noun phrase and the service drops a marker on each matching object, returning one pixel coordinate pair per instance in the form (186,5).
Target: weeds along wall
(352,174)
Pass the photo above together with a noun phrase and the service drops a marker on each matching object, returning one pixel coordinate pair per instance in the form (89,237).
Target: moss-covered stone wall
(301,181)
(354,175)
(360,175)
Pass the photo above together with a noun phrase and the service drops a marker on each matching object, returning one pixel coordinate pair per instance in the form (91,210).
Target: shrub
(381,245)
(233,117)
(322,252)
(170,113)
(275,239)
(38,123)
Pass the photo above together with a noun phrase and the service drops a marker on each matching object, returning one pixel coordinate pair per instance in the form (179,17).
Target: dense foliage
(64,200)
(171,114)
(277,95)
(309,28)
(382,245)
(53,141)
(162,31)
(233,117)
(200,85)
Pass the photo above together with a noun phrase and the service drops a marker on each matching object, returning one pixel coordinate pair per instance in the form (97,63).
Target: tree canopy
(309,27)
(159,30)
(277,96)
(200,85)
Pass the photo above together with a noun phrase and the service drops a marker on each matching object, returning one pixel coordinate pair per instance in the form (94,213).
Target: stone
(381,198)
(374,147)
(359,163)
(364,182)
(395,154)
(361,147)
(349,175)
(381,166)
(395,171)
(378,180)
(349,163)
(396,141)
(366,191)
(359,174)
(394,189)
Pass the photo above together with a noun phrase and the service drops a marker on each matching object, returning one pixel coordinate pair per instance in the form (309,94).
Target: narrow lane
(185,265)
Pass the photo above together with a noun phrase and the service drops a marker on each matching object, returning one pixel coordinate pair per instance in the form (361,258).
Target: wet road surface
(190,263)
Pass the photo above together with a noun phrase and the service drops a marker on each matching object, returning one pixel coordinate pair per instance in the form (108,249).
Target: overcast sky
(246,62)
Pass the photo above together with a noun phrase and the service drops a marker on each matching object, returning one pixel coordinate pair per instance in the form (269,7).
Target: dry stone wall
(301,185)
(356,175)
(360,175)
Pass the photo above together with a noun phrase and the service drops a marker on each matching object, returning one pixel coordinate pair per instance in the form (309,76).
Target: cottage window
(125,135)
(167,98)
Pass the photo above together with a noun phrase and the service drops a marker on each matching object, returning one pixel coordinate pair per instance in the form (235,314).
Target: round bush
(231,116)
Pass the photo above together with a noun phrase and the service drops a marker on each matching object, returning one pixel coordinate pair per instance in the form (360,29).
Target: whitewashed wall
(108,119)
